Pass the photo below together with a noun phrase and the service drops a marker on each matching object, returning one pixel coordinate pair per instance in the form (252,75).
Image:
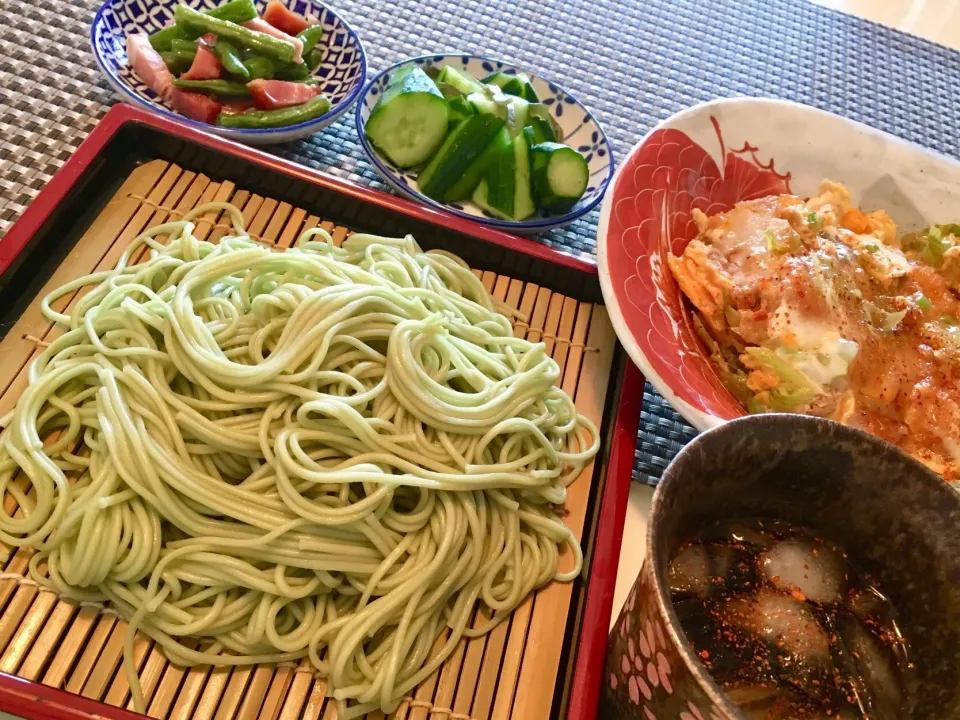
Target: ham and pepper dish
(819,308)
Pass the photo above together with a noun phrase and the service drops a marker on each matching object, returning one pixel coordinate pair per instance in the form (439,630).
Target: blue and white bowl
(581,131)
(341,74)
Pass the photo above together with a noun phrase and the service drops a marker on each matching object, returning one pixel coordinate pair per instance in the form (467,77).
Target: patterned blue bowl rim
(236,132)
(546,222)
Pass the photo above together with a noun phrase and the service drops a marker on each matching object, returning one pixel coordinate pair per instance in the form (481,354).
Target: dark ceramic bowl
(897,520)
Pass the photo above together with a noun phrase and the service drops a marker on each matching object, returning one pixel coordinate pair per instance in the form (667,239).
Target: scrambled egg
(825,309)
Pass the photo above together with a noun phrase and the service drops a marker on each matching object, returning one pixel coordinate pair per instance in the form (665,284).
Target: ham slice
(206,65)
(260,25)
(273,94)
(194,105)
(235,107)
(285,20)
(149,66)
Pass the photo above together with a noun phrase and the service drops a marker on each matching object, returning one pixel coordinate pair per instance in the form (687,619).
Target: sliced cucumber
(448,90)
(542,130)
(518,115)
(518,85)
(543,112)
(485,103)
(471,177)
(459,108)
(460,80)
(560,174)
(400,74)
(505,188)
(409,122)
(463,146)
(514,111)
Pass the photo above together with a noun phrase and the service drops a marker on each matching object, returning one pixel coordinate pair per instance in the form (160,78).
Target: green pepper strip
(259,67)
(230,59)
(256,119)
(236,11)
(258,42)
(162,40)
(313,60)
(294,73)
(310,37)
(214,87)
(183,46)
(178,62)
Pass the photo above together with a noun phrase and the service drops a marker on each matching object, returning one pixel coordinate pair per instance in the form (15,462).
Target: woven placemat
(632,63)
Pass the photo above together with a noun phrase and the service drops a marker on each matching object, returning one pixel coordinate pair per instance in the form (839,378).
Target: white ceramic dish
(581,131)
(710,157)
(341,74)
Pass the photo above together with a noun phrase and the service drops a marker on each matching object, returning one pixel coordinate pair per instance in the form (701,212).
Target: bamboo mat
(510,673)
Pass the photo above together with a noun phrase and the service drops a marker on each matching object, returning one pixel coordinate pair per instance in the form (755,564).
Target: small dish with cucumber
(484,140)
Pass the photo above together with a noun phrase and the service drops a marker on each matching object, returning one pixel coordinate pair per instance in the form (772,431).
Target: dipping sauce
(787,627)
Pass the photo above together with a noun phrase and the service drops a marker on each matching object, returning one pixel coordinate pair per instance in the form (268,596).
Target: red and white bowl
(710,157)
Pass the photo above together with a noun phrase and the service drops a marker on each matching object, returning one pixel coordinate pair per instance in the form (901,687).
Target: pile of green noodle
(333,453)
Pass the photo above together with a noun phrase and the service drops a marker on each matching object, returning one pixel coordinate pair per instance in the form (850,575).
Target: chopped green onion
(873,248)
(813,219)
(732,315)
(950,320)
(771,239)
(791,401)
(792,378)
(936,247)
(755,406)
(892,319)
(923,303)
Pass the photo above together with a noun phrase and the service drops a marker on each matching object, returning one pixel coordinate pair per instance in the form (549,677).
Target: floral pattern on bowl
(581,132)
(341,74)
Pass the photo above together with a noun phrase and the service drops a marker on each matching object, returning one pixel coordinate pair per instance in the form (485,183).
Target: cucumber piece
(542,130)
(460,80)
(409,122)
(458,109)
(505,188)
(543,112)
(448,90)
(518,115)
(399,75)
(471,177)
(463,146)
(514,111)
(560,175)
(484,104)
(518,85)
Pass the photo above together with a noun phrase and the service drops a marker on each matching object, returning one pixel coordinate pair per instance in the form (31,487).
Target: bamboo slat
(508,673)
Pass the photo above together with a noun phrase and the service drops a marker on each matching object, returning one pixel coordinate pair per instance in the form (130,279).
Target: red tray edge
(601,582)
(35,701)
(43,205)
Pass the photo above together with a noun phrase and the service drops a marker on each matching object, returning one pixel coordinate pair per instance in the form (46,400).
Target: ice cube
(865,602)
(756,702)
(871,670)
(808,571)
(782,621)
(751,536)
(699,569)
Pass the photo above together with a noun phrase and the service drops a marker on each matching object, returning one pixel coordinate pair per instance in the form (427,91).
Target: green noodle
(331,453)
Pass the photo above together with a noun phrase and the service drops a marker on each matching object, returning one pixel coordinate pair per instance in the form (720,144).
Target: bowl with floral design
(580,128)
(708,158)
(894,517)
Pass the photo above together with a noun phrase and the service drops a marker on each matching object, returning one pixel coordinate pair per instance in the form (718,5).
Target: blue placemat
(634,64)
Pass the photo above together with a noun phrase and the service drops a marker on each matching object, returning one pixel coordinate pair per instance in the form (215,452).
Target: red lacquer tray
(138,168)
